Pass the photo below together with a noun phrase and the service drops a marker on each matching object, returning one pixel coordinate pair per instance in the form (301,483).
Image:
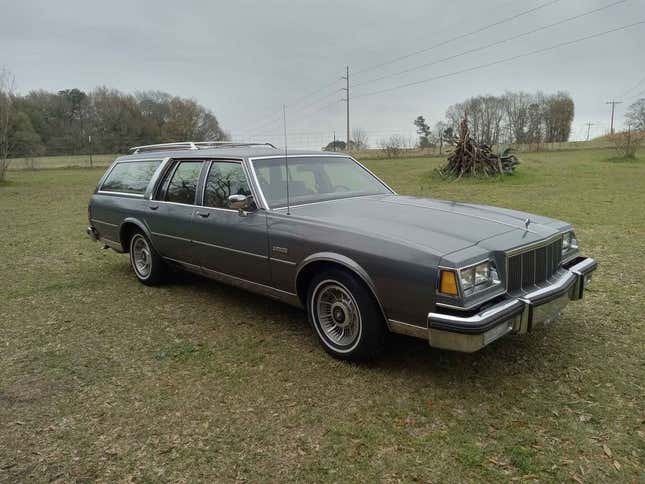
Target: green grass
(102,160)
(71,161)
(102,378)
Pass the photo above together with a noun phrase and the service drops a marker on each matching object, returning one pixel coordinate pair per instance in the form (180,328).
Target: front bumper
(517,314)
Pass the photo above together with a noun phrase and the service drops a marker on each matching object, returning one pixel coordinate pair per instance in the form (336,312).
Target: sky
(245,59)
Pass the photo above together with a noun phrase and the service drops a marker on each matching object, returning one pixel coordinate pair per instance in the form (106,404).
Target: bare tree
(517,113)
(491,113)
(626,143)
(359,139)
(534,128)
(515,118)
(558,115)
(454,114)
(636,114)
(485,115)
(440,131)
(393,146)
(7,95)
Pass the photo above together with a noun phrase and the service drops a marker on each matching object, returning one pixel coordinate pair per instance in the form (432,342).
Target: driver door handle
(202,214)
(153,207)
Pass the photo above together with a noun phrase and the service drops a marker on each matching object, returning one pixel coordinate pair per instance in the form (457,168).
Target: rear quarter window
(130,177)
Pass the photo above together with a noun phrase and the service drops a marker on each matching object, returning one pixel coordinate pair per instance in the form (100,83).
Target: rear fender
(125,226)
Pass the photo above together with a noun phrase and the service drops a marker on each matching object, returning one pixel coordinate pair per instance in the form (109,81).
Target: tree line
(514,117)
(103,120)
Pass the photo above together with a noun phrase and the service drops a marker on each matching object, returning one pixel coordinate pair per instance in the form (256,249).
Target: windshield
(314,179)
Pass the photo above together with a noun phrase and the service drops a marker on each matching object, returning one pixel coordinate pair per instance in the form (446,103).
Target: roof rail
(192,145)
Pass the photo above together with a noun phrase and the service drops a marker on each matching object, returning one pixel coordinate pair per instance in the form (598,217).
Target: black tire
(336,291)
(140,248)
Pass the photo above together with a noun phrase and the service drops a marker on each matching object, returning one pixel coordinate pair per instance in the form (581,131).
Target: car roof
(234,152)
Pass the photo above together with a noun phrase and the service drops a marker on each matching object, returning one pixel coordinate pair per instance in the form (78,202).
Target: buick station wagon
(318,230)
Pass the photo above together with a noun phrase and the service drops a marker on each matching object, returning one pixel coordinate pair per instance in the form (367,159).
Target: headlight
(569,244)
(476,278)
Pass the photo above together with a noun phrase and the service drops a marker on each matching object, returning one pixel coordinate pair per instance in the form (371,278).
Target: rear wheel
(146,263)
(345,316)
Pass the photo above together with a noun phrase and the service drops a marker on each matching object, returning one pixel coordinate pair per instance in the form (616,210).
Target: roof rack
(192,145)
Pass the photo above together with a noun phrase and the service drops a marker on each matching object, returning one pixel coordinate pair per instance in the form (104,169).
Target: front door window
(224,179)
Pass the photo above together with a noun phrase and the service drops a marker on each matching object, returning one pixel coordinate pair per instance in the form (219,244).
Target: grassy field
(102,378)
(83,161)
(71,161)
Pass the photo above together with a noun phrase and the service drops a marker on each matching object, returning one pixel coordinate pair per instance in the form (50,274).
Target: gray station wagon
(320,231)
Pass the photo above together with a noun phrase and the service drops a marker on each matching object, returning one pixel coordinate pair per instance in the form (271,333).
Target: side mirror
(241,203)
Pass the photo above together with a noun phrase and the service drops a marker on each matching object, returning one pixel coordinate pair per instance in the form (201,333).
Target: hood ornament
(527,222)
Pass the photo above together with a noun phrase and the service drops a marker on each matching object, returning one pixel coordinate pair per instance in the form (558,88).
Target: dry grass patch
(102,378)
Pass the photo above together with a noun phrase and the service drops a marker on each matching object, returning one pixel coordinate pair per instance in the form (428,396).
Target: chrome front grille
(533,266)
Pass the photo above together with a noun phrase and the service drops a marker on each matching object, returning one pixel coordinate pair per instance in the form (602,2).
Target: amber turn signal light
(448,283)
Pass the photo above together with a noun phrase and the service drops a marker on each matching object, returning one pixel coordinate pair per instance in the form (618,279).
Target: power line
(461,36)
(296,133)
(307,96)
(500,61)
(322,108)
(268,121)
(492,44)
(277,115)
(633,87)
(317,101)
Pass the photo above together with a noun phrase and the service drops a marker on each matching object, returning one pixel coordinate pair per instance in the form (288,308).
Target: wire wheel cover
(141,256)
(338,314)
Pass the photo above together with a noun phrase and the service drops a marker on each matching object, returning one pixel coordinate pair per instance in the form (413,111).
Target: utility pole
(589,125)
(89,142)
(346,89)
(613,107)
(334,145)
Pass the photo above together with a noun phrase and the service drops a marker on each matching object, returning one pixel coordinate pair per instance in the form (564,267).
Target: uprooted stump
(470,158)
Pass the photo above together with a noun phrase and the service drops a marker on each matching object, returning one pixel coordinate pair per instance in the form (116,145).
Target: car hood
(437,225)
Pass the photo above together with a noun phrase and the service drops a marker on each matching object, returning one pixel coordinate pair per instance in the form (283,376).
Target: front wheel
(346,319)
(146,263)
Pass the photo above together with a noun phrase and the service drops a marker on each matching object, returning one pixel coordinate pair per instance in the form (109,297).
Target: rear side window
(130,177)
(183,183)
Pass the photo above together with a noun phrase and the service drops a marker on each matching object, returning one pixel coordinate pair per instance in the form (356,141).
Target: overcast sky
(244,59)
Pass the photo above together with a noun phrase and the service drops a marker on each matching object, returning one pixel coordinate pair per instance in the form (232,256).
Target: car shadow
(508,358)
(270,309)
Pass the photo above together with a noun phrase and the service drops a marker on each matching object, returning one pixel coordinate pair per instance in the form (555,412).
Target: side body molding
(345,261)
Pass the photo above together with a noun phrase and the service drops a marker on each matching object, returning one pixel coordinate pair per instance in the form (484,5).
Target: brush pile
(470,158)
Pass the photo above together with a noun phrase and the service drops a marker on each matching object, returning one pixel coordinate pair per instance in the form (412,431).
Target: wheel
(146,263)
(345,317)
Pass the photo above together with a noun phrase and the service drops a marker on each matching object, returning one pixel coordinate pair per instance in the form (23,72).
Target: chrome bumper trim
(516,314)
(91,232)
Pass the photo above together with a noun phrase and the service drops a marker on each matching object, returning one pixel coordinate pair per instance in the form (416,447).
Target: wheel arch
(127,227)
(316,262)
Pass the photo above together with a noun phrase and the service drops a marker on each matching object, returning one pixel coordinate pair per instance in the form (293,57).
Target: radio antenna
(286,158)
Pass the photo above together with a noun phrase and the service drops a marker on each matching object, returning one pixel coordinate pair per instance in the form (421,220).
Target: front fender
(345,261)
